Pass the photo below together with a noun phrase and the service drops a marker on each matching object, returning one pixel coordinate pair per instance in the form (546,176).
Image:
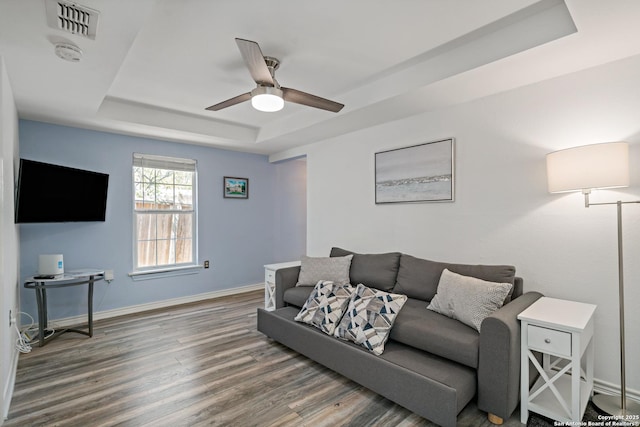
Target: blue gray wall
(237,236)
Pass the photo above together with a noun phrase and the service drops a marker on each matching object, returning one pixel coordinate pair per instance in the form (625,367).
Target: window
(164,208)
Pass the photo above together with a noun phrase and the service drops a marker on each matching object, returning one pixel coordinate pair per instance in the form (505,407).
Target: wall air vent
(72,17)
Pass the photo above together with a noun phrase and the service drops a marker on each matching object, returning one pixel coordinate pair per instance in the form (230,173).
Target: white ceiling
(155,65)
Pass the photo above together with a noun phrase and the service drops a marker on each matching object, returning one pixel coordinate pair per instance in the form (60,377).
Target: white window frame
(167,163)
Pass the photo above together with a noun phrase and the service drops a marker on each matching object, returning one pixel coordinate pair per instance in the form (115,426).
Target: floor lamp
(585,168)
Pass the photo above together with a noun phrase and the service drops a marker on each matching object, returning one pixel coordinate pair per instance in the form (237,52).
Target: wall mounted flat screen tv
(53,193)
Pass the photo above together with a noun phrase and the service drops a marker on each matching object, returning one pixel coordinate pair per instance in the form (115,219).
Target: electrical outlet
(12,319)
(206,264)
(108,275)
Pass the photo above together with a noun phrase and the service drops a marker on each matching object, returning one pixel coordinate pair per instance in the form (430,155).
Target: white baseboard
(7,390)
(604,387)
(107,314)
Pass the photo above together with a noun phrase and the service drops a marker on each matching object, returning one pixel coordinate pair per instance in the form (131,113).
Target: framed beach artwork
(420,173)
(236,188)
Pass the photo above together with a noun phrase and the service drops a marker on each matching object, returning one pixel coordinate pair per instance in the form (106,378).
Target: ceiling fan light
(268,99)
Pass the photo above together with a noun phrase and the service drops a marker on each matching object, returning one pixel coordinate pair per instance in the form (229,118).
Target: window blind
(162,162)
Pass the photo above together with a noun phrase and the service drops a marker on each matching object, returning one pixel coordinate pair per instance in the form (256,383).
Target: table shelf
(547,404)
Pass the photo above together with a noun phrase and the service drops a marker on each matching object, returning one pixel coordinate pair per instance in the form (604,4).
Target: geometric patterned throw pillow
(324,307)
(468,299)
(369,317)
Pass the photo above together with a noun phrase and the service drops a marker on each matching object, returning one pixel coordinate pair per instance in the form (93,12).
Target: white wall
(9,247)
(290,231)
(503,212)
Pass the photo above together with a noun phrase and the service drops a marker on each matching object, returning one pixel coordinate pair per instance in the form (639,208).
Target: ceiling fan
(269,95)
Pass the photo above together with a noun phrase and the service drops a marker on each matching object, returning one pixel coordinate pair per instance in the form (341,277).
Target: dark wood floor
(197,364)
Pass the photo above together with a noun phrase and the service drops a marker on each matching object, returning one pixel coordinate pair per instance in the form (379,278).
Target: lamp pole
(605,402)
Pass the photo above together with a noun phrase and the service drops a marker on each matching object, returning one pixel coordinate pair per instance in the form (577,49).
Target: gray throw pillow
(468,299)
(313,270)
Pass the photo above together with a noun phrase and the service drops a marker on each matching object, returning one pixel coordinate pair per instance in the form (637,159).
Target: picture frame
(416,174)
(235,188)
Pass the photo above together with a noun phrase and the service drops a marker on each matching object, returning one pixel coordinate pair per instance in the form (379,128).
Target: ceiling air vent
(72,17)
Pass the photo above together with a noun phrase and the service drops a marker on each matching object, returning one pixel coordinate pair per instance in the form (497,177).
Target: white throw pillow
(468,299)
(334,269)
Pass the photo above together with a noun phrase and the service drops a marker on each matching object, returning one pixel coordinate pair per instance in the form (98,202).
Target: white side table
(563,332)
(270,282)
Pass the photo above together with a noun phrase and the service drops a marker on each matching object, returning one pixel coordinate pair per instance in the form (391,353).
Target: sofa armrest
(285,278)
(499,358)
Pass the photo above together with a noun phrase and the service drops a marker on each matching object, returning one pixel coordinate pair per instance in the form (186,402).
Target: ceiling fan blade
(254,59)
(299,97)
(230,102)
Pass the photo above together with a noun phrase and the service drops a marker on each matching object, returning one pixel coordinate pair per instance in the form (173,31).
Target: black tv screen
(53,193)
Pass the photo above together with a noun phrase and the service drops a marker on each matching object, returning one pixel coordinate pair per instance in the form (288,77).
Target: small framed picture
(236,188)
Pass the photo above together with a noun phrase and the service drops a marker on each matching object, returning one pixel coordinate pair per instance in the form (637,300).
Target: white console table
(562,330)
(270,282)
(73,278)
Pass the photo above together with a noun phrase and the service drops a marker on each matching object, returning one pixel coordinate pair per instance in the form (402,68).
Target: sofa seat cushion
(297,296)
(418,278)
(429,331)
(372,270)
(431,386)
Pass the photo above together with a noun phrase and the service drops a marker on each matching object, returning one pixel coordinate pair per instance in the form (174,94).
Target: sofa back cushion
(418,278)
(373,270)
(297,295)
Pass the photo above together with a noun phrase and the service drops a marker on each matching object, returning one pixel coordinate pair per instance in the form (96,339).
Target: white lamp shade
(588,167)
(268,99)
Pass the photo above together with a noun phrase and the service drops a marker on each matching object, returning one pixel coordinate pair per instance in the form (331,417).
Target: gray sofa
(432,365)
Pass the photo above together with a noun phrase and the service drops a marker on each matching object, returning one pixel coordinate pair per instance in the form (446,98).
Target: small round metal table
(72,278)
